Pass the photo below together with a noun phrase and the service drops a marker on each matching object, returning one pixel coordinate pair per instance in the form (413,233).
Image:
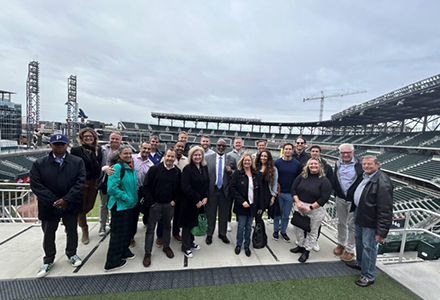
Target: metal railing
(410,226)
(18,204)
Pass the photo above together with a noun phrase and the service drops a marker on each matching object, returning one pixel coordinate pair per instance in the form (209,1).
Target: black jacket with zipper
(375,208)
(50,182)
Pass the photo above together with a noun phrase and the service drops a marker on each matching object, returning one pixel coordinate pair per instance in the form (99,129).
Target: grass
(336,288)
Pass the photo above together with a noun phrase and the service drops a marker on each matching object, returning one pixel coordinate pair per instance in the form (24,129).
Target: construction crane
(323,96)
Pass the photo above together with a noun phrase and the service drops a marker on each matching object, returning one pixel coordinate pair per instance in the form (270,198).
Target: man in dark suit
(219,170)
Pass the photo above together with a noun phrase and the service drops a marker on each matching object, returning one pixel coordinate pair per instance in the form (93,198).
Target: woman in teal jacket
(122,189)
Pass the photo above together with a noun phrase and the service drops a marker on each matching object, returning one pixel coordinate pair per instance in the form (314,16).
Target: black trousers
(187,238)
(136,213)
(156,211)
(50,227)
(220,201)
(120,235)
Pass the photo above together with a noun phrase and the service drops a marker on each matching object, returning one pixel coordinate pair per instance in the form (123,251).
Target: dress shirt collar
(166,167)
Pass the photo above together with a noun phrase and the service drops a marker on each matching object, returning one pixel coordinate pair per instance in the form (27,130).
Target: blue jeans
(244,225)
(366,250)
(285,201)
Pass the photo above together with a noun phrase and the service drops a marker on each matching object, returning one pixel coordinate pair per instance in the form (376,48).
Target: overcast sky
(255,59)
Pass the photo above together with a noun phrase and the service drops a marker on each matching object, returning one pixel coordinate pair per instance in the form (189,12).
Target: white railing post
(405,228)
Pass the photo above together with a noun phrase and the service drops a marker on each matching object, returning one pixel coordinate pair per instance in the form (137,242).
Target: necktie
(220,173)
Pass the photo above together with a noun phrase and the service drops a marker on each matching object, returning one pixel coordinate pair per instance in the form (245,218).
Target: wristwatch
(311,207)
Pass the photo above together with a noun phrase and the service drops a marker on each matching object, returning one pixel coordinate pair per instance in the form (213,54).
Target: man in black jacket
(161,193)
(57,180)
(373,206)
(347,171)
(300,154)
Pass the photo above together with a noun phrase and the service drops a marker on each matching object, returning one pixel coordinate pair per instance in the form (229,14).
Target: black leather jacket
(375,208)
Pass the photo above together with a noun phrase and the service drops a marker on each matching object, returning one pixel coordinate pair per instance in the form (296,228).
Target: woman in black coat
(195,188)
(245,189)
(91,154)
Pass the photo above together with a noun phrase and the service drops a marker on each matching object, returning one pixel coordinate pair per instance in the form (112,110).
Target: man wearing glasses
(219,170)
(347,170)
(300,154)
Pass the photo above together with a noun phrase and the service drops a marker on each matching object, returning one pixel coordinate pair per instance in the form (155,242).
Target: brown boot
(85,235)
(347,256)
(147,260)
(168,252)
(338,250)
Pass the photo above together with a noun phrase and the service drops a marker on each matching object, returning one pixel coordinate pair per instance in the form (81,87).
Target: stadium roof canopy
(416,100)
(197,118)
(413,101)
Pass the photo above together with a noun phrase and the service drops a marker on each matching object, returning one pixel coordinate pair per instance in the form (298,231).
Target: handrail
(406,228)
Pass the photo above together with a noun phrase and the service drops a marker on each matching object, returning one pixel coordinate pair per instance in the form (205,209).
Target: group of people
(173,188)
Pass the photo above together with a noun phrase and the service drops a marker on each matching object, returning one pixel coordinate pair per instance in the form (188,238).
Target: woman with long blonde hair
(311,191)
(245,189)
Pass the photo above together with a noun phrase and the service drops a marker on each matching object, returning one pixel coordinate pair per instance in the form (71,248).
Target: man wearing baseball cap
(57,180)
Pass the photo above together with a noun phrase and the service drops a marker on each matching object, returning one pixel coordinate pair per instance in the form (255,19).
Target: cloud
(254,59)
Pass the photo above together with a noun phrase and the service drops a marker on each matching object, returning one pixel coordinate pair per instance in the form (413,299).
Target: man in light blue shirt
(347,170)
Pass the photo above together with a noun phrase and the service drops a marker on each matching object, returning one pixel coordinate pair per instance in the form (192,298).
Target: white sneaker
(229,227)
(195,247)
(188,253)
(75,261)
(102,231)
(44,270)
(316,248)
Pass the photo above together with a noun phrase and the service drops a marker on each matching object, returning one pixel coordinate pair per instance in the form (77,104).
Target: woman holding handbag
(245,189)
(195,188)
(310,190)
(91,154)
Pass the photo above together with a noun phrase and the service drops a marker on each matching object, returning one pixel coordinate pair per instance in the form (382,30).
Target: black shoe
(247,251)
(364,281)
(209,240)
(121,264)
(298,249)
(304,256)
(237,250)
(353,264)
(224,238)
(130,255)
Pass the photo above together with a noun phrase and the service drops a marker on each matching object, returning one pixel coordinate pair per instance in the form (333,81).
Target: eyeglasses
(346,153)
(221,146)
(126,153)
(300,143)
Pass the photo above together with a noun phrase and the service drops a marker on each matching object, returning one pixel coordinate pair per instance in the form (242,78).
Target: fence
(19,204)
(410,225)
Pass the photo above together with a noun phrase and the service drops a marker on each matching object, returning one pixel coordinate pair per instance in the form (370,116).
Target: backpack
(102,186)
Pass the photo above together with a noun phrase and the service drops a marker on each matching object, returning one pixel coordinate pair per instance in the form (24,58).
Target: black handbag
(300,221)
(259,237)
(274,209)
